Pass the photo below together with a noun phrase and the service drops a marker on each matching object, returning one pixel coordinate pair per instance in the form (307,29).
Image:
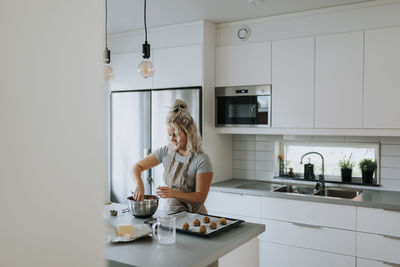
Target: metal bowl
(145,208)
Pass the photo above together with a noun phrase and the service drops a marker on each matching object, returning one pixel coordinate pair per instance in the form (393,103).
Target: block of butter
(125,230)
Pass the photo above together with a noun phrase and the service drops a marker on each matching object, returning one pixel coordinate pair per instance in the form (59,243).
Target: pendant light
(108,70)
(145,68)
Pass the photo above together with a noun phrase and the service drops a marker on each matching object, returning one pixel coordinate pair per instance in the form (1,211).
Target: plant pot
(346,175)
(367,176)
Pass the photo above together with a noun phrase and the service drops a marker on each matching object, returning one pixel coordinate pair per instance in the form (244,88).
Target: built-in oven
(243,106)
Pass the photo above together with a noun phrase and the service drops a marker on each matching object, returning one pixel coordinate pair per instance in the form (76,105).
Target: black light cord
(145,27)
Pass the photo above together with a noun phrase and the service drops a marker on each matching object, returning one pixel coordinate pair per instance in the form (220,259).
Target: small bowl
(145,208)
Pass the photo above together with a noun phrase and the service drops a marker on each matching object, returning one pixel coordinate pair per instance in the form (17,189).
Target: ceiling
(127,15)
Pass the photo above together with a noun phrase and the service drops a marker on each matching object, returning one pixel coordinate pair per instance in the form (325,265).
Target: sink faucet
(320,186)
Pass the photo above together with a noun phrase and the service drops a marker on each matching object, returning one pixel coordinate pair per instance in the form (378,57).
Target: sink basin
(296,189)
(338,193)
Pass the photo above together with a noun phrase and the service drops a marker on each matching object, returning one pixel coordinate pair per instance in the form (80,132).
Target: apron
(175,179)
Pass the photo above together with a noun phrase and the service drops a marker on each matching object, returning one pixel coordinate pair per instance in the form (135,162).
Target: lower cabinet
(278,255)
(310,236)
(379,247)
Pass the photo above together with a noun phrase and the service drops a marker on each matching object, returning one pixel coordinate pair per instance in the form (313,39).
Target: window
(332,153)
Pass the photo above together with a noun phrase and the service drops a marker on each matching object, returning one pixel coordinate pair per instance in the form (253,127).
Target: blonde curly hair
(180,118)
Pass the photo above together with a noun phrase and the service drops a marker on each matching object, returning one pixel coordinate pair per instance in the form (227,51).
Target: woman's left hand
(166,192)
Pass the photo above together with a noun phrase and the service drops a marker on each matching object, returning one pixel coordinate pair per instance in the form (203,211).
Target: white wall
(53,133)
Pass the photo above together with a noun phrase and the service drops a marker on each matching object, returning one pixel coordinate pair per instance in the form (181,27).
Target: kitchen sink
(338,193)
(295,189)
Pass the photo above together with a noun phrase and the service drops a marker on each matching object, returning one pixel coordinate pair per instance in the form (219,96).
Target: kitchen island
(187,251)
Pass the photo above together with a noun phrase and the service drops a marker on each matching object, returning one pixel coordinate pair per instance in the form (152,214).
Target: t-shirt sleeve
(161,153)
(204,165)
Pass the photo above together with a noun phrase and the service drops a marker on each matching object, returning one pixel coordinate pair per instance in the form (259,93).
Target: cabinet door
(248,64)
(372,263)
(178,66)
(277,255)
(378,247)
(230,203)
(126,75)
(310,236)
(382,79)
(378,221)
(293,83)
(339,80)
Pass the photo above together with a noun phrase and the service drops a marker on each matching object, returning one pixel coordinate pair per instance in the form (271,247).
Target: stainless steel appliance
(138,128)
(243,106)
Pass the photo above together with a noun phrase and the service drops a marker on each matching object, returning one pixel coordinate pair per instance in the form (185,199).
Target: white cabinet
(235,204)
(247,64)
(126,75)
(278,255)
(178,66)
(378,235)
(378,247)
(339,80)
(293,83)
(311,213)
(378,221)
(373,263)
(310,236)
(382,79)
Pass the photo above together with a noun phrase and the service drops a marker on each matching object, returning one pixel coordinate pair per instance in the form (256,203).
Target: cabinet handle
(391,237)
(307,225)
(390,263)
(387,209)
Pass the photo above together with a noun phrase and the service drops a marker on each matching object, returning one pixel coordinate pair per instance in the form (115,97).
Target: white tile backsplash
(390,161)
(265,146)
(254,155)
(244,145)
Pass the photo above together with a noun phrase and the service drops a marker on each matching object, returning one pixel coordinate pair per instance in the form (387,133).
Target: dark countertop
(368,198)
(187,251)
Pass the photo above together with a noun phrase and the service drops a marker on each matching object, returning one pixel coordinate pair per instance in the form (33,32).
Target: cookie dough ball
(222,221)
(206,219)
(196,222)
(213,226)
(202,229)
(185,226)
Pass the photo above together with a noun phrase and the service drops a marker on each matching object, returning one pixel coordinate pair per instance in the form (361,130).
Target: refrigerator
(137,128)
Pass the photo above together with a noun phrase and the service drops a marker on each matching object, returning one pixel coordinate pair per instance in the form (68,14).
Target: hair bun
(179,104)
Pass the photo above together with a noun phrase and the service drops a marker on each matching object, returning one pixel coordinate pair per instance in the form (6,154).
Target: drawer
(373,263)
(378,221)
(236,204)
(378,247)
(310,236)
(277,255)
(322,214)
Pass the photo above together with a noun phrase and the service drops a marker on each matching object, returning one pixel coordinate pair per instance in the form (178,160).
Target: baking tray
(189,217)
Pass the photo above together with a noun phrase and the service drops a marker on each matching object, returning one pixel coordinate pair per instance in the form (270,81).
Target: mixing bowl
(145,208)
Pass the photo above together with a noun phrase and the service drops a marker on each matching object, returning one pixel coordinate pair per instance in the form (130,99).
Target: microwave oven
(243,106)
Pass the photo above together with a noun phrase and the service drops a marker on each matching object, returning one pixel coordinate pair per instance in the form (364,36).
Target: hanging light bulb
(145,68)
(108,70)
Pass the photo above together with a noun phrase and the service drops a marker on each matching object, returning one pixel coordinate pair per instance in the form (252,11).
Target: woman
(187,170)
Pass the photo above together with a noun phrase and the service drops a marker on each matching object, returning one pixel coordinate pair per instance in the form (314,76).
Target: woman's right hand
(139,192)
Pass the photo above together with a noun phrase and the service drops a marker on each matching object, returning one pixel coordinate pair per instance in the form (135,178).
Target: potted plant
(368,167)
(346,168)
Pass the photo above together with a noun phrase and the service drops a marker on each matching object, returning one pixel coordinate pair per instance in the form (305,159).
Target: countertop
(187,251)
(368,198)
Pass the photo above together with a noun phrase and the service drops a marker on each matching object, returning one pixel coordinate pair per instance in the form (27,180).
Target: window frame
(376,146)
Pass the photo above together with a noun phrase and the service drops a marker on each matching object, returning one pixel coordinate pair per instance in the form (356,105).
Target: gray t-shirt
(200,163)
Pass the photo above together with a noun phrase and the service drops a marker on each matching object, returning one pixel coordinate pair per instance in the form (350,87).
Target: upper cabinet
(382,78)
(178,66)
(293,83)
(339,80)
(247,64)
(126,75)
